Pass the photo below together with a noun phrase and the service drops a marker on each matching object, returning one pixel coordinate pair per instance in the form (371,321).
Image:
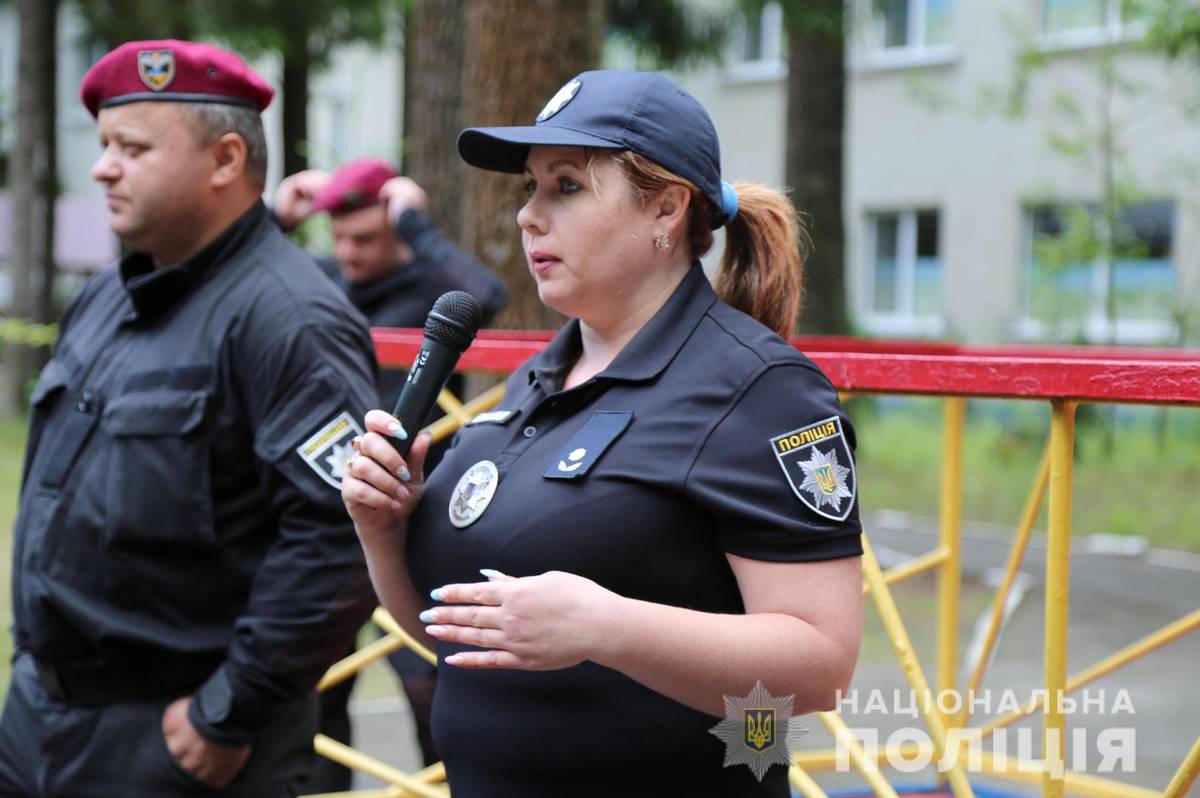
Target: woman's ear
(672,206)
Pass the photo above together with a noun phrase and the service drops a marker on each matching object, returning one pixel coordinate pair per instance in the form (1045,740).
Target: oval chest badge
(473,493)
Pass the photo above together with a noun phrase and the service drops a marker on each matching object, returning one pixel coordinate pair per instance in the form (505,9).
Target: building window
(761,35)
(912,24)
(1089,23)
(1068,284)
(905,269)
(759,44)
(1059,16)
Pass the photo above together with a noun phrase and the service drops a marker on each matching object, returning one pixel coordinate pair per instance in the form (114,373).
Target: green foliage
(110,22)
(1078,242)
(256,26)
(933,92)
(22,331)
(12,442)
(251,26)
(314,234)
(1173,26)
(826,17)
(670,33)
(1011,98)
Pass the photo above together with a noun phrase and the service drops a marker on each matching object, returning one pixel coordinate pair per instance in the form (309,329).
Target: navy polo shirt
(707,435)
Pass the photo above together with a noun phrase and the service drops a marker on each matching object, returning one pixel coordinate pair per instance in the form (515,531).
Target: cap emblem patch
(156,68)
(559,100)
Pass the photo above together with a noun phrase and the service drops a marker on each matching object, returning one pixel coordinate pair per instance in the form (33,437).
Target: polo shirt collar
(152,290)
(648,352)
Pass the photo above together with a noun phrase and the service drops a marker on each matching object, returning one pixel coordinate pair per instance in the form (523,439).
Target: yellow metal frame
(1053,484)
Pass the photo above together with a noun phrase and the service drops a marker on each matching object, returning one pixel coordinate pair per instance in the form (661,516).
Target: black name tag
(574,461)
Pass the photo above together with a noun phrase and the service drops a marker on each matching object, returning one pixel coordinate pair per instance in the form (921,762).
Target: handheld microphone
(449,330)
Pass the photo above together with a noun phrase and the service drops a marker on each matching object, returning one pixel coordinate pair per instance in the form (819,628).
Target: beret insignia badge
(156,68)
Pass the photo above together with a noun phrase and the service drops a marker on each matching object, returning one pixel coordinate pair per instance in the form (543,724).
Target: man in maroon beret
(184,569)
(389,255)
(393,263)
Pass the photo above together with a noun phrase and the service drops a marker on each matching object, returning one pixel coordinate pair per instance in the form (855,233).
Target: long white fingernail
(491,573)
(396,430)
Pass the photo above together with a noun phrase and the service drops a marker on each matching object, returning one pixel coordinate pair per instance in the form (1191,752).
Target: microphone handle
(429,374)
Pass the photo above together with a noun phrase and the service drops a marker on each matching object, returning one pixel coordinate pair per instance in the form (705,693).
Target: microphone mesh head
(454,320)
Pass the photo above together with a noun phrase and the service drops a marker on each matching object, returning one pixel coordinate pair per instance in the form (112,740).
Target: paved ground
(1115,600)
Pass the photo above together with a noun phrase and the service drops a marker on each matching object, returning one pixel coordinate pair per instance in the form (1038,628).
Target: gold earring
(663,242)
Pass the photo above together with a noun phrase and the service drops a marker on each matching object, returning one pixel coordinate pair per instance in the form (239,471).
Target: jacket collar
(152,291)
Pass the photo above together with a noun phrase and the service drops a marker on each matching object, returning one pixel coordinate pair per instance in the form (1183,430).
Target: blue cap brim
(504,149)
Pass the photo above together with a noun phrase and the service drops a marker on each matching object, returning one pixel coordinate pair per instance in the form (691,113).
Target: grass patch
(12,443)
(1135,473)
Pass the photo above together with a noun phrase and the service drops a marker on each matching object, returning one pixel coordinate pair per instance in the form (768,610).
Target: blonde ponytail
(762,269)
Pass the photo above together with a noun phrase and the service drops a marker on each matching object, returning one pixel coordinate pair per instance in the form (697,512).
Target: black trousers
(49,749)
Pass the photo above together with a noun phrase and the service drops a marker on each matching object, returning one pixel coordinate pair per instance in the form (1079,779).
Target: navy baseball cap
(645,112)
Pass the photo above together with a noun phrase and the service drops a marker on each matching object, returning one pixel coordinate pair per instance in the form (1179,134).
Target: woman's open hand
(537,623)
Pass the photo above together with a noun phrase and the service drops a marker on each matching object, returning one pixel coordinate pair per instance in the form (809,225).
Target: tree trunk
(435,39)
(297,63)
(816,93)
(33,182)
(48,189)
(518,53)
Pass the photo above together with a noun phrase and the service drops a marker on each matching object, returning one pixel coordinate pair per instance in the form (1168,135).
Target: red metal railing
(1078,373)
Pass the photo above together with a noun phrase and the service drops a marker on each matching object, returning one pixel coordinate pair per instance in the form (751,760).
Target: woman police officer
(663,505)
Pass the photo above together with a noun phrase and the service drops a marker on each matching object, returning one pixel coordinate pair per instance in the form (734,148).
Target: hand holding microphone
(449,330)
(382,483)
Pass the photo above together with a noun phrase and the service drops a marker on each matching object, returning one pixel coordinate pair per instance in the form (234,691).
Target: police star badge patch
(473,493)
(818,465)
(328,449)
(156,68)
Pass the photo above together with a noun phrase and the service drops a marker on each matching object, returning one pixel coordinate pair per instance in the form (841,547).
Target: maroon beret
(174,70)
(356,185)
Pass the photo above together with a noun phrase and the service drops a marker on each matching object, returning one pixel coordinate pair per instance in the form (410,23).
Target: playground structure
(1062,376)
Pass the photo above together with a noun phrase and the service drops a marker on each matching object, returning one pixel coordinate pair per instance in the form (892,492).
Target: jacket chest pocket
(58,447)
(159,485)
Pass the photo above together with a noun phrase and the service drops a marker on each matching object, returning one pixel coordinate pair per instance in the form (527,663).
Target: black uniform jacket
(180,501)
(403,297)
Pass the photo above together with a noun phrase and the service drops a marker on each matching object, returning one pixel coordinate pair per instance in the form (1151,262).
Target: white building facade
(955,209)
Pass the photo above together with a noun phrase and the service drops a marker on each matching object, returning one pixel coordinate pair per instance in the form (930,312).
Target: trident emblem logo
(826,480)
(760,728)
